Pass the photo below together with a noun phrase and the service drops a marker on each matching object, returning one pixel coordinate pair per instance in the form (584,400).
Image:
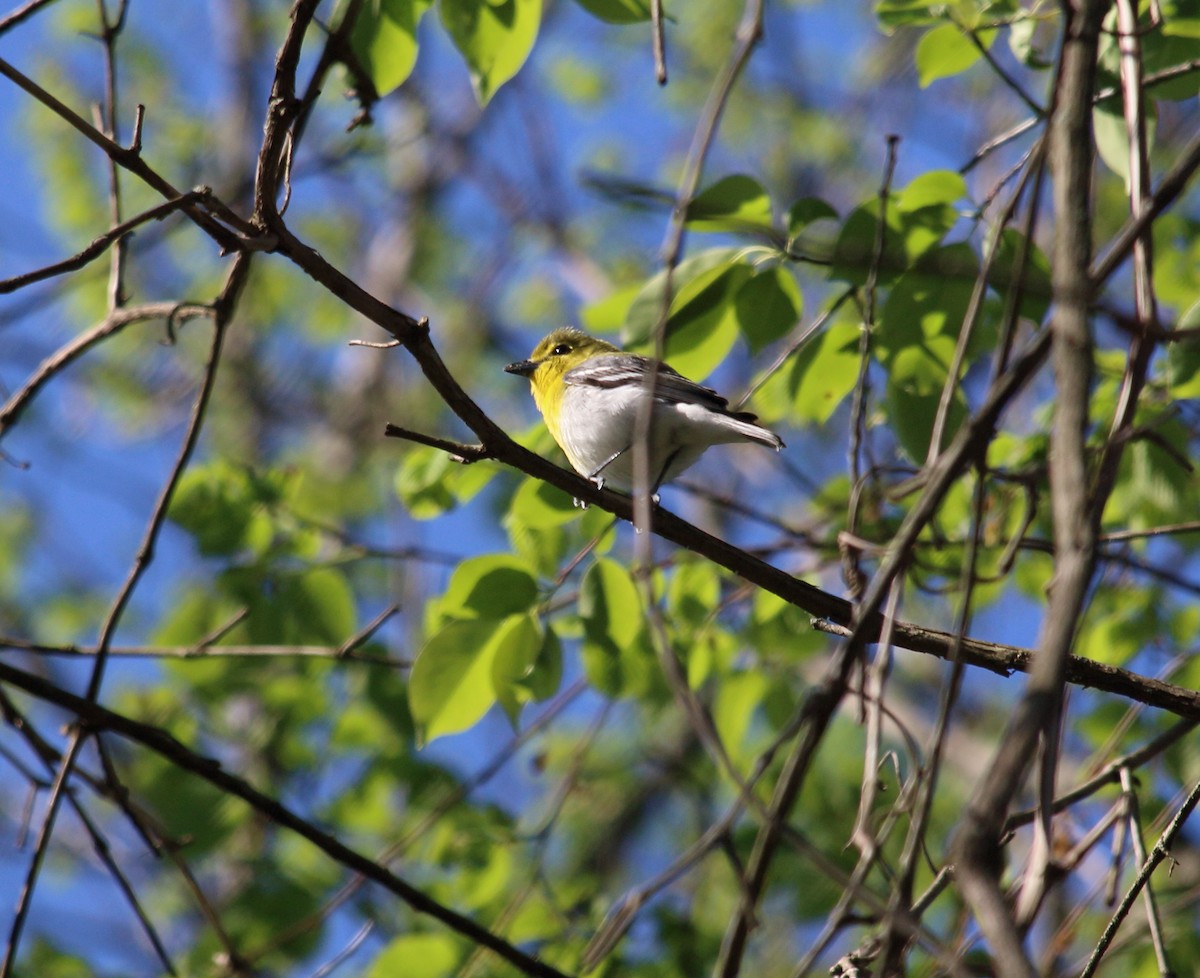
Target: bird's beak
(522,367)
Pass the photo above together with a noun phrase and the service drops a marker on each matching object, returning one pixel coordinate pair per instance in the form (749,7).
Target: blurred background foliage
(451,668)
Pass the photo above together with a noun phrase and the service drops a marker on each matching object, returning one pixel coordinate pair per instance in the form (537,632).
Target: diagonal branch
(102,242)
(130,158)
(116,321)
(96,718)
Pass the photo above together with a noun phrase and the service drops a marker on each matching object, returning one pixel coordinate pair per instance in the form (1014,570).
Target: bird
(590,394)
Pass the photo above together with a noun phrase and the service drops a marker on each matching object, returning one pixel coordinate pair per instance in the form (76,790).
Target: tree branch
(1036,716)
(96,718)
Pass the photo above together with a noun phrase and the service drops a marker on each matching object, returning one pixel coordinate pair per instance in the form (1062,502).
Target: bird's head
(554,356)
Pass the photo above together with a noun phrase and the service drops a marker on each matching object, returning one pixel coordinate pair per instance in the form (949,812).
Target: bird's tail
(746,424)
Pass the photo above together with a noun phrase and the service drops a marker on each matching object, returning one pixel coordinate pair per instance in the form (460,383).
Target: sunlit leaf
(494,38)
(906,13)
(825,371)
(615,653)
(421,483)
(417,956)
(617,11)
(491,586)
(703,323)
(943,52)
(1183,359)
(384,40)
(516,640)
(733,203)
(451,685)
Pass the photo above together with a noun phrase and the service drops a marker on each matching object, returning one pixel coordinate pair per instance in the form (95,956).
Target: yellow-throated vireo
(589,393)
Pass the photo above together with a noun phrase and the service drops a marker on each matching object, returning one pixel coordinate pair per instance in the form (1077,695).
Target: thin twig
(116,321)
(1009,81)
(110,30)
(851,571)
(100,845)
(1161,850)
(459,452)
(1153,921)
(133,162)
(658,41)
(102,242)
(222,307)
(97,718)
(436,812)
(22,13)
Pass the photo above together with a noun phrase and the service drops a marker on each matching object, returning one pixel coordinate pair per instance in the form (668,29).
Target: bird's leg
(662,474)
(595,476)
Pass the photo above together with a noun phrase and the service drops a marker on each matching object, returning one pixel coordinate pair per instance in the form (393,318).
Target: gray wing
(670,386)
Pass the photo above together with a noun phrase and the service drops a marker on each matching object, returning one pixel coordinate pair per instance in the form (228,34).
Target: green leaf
(221,506)
(1153,487)
(1177,259)
(927,302)
(494,38)
(914,389)
(1035,272)
(806,211)
(609,603)
(451,687)
(1175,48)
(918,217)
(608,314)
(313,607)
(527,664)
(544,676)
(917,333)
(944,51)
(703,324)
(491,586)
(1181,18)
(1118,622)
(417,956)
(825,372)
(1029,42)
(538,504)
(517,641)
(936,189)
(767,306)
(691,277)
(47,961)
(736,702)
(1183,359)
(733,203)
(906,13)
(318,607)
(384,40)
(617,11)
(184,805)
(421,483)
(692,593)
(616,655)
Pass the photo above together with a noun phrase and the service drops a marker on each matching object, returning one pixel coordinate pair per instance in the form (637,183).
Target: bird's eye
(562,348)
